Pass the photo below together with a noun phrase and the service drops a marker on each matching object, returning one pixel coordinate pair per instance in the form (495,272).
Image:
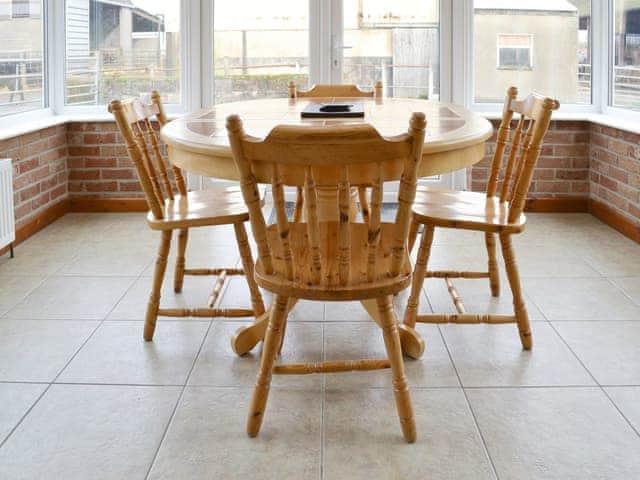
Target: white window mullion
(55,48)
(446,55)
(190,67)
(206,48)
(462,52)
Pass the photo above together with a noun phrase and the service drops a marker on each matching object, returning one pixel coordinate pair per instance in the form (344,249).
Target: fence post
(98,75)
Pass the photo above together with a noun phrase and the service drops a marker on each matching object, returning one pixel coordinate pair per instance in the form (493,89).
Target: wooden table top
(450,129)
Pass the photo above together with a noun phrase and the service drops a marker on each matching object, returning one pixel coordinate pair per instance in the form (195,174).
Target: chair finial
(234,124)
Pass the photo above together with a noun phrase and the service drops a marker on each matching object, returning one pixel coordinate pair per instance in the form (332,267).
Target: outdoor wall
(555,64)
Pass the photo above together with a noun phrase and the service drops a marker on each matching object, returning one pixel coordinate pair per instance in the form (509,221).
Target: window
(515,52)
(259,47)
(120,49)
(542,45)
(21,56)
(396,42)
(626,61)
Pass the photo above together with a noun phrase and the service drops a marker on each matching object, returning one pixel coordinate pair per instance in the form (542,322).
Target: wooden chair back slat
(373,235)
(283,222)
(340,157)
(332,91)
(525,144)
(344,236)
(134,119)
(313,226)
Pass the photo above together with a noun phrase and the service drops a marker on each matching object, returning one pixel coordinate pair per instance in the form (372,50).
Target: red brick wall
(615,170)
(99,166)
(39,170)
(563,167)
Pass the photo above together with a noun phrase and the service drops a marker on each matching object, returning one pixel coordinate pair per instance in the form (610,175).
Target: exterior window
(626,81)
(259,47)
(120,49)
(396,42)
(534,45)
(21,54)
(515,52)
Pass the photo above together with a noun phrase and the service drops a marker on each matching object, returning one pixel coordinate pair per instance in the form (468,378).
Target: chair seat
(218,206)
(465,210)
(329,288)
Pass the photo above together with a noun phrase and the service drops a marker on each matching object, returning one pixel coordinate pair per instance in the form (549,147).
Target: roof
(120,3)
(526,5)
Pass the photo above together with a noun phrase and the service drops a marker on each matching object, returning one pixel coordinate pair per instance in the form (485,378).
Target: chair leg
(297,209)
(389,325)
(269,353)
(178,277)
(247,264)
(413,235)
(494,273)
(417,281)
(514,282)
(158,276)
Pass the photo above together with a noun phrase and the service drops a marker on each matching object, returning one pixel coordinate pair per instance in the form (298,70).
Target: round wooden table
(198,143)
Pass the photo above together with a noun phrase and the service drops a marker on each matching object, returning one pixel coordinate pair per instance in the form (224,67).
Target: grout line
(179,401)
(323,383)
(466,397)
(602,389)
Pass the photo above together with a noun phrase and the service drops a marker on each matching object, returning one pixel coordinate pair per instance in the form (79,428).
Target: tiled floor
(84,397)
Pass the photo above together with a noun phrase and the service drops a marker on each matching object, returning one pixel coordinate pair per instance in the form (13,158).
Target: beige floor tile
(627,399)
(568,433)
(630,286)
(16,400)
(82,431)
(207,437)
(476,297)
(72,298)
(619,259)
(117,354)
(492,356)
(133,305)
(105,258)
(551,261)
(198,255)
(35,261)
(580,299)
(363,437)
(352,341)
(13,288)
(36,351)
(609,350)
(218,366)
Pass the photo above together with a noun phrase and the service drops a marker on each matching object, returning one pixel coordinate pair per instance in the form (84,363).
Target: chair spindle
(283,222)
(313,226)
(344,231)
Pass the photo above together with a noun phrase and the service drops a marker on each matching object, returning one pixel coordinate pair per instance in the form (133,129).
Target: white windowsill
(30,126)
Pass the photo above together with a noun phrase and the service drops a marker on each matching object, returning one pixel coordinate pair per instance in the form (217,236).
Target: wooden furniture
(334,92)
(499,211)
(336,260)
(181,211)
(455,139)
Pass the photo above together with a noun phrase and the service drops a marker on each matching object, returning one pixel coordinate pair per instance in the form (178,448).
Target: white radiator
(7,218)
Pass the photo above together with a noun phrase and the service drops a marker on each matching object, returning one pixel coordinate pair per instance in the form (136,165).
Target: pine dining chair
(498,211)
(334,91)
(181,211)
(330,260)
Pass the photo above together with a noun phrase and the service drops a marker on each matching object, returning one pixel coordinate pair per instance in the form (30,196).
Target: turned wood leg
(178,277)
(514,282)
(297,209)
(413,235)
(269,352)
(394,352)
(494,273)
(158,276)
(247,265)
(417,280)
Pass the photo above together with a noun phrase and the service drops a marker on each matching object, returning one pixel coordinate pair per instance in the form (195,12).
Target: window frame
(529,48)
(197,75)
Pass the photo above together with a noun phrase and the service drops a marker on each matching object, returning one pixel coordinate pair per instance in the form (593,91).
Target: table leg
(412,342)
(327,205)
(246,338)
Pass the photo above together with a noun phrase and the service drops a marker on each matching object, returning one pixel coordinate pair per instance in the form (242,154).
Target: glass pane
(21,66)
(120,49)
(396,42)
(259,47)
(556,60)
(626,84)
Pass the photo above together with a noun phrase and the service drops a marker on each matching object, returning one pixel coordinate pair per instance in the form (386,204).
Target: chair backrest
(335,91)
(339,156)
(523,146)
(134,119)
